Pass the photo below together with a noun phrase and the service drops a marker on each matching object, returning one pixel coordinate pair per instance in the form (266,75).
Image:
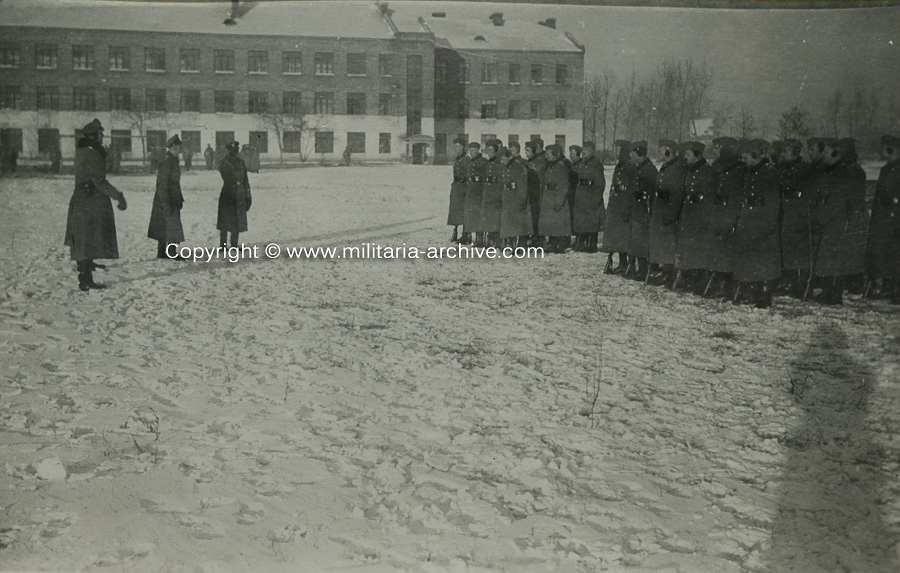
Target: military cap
(892,140)
(639,146)
(475,145)
(232,145)
(668,143)
(530,145)
(588,145)
(794,143)
(538,141)
(754,146)
(174,140)
(503,151)
(724,141)
(93,127)
(575,148)
(554,148)
(622,143)
(495,143)
(515,144)
(460,140)
(694,146)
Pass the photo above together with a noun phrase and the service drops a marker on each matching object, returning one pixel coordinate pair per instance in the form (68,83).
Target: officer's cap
(93,127)
(232,145)
(794,144)
(622,143)
(495,143)
(474,145)
(588,145)
(724,142)
(554,148)
(460,140)
(891,140)
(639,146)
(514,144)
(668,143)
(575,148)
(174,140)
(694,146)
(538,141)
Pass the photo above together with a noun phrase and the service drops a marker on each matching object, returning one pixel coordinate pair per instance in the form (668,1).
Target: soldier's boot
(466,238)
(95,266)
(234,238)
(764,295)
(855,284)
(593,240)
(643,269)
(86,277)
(833,294)
(707,290)
(223,238)
(608,269)
(677,279)
(622,266)
(161,250)
(455,237)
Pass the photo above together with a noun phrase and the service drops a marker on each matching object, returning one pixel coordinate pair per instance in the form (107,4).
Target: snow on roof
(482,34)
(316,19)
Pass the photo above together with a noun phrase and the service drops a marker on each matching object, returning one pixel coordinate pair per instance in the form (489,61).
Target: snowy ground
(530,415)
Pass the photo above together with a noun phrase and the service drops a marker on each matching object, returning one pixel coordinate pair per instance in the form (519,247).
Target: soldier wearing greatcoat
(664,210)
(555,221)
(589,211)
(475,171)
(515,216)
(165,216)
(796,208)
(209,155)
(725,211)
(757,261)
(91,223)
(457,210)
(815,152)
(639,212)
(883,248)
(492,194)
(235,198)
(617,230)
(696,240)
(537,162)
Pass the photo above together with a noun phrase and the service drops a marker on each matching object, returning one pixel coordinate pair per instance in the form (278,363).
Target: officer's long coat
(165,216)
(664,211)
(492,195)
(538,166)
(474,192)
(617,230)
(91,223)
(589,211)
(757,256)
(515,217)
(457,210)
(639,211)
(842,218)
(883,249)
(725,211)
(555,219)
(234,200)
(696,240)
(797,203)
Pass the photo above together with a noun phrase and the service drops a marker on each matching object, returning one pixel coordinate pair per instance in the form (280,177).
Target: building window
(291,63)
(463,72)
(356,64)
(48,98)
(485,137)
(190,60)
(191,140)
(440,108)
(356,104)
(440,72)
(45,57)
(513,138)
(386,64)
(154,60)
(324,103)
(119,58)
(356,142)
(385,104)
(83,99)
(10,57)
(537,74)
(48,140)
(514,71)
(535,109)
(121,139)
(10,97)
(324,142)
(513,109)
(488,109)
(156,100)
(291,103)
(560,112)
(223,61)
(119,99)
(258,102)
(82,57)
(291,141)
(223,138)
(259,140)
(489,73)
(384,143)
(11,137)
(324,64)
(462,109)
(440,144)
(156,138)
(534,137)
(561,141)
(224,102)
(190,100)
(562,74)
(258,62)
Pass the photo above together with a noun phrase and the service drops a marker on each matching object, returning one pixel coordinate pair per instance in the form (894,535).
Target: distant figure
(55,159)
(8,158)
(188,159)
(347,155)
(209,155)
(117,159)
(165,217)
(254,156)
(235,198)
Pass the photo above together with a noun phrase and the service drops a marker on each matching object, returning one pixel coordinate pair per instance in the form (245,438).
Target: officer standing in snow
(165,217)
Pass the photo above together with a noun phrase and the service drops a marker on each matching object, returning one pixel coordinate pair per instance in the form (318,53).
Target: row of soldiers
(755,219)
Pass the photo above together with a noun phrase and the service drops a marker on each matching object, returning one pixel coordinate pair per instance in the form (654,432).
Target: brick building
(305,79)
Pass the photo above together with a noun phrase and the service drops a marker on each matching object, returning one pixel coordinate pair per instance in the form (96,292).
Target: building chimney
(549,22)
(497,18)
(438,14)
(234,13)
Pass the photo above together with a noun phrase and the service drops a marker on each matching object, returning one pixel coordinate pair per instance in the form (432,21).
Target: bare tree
(141,120)
(833,108)
(284,122)
(721,116)
(596,106)
(747,123)
(794,124)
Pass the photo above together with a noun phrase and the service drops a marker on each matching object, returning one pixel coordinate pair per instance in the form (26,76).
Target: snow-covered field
(421,415)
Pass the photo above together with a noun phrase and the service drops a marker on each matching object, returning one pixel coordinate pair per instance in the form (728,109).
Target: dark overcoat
(842,220)
(639,213)
(555,219)
(589,211)
(492,195)
(725,211)
(456,212)
(235,199)
(515,218)
(757,256)
(91,223)
(617,230)
(538,166)
(697,242)
(475,172)
(664,211)
(165,216)
(883,248)
(797,202)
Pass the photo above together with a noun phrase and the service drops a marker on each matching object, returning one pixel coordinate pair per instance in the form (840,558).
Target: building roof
(481,34)
(313,19)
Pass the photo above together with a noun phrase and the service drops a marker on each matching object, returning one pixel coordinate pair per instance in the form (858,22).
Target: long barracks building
(306,79)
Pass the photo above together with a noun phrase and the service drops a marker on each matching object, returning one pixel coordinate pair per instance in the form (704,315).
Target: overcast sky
(767,60)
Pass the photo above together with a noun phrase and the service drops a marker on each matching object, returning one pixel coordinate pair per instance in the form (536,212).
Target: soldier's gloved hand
(179,204)
(121,203)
